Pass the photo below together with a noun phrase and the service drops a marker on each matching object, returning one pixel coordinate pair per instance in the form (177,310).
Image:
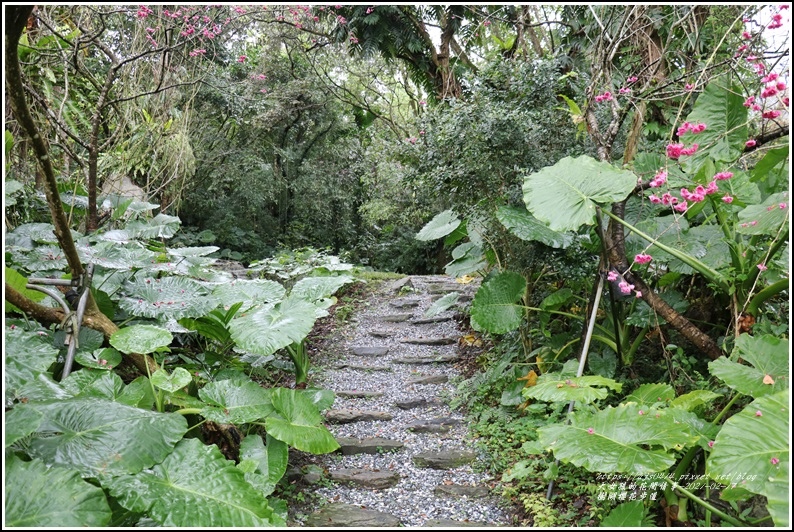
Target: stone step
(443,340)
(358,394)
(417,403)
(337,514)
(434,319)
(443,288)
(381,334)
(441,359)
(349,446)
(444,459)
(396,318)
(399,283)
(351,415)
(366,478)
(369,351)
(459,490)
(437,425)
(405,303)
(363,367)
(428,379)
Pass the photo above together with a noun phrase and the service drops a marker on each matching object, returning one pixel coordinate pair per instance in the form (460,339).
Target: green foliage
(71,501)
(565,195)
(440,226)
(630,514)
(495,307)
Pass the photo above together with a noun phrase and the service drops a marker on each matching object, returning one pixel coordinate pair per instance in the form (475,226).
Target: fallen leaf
(768,380)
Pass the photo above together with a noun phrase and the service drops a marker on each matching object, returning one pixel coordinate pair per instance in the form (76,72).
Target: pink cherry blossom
(721,176)
(749,101)
(681,207)
(642,258)
(775,460)
(711,444)
(727,198)
(631,79)
(654,198)
(762,267)
(612,275)
(591,430)
(242,59)
(750,143)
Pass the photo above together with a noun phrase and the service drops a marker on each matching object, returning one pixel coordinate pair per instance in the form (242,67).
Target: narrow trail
(406,459)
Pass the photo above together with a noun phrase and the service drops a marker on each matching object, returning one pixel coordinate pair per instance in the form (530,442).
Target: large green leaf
(769,357)
(752,450)
(27,355)
(720,107)
(317,290)
(141,339)
(232,401)
(627,439)
(47,497)
(177,380)
(19,283)
(630,514)
(440,226)
(97,436)
(526,227)
(565,195)
(693,399)
(195,486)
(767,218)
(249,291)
(20,422)
(442,304)
(552,388)
(273,327)
(299,423)
(271,460)
(466,258)
(115,256)
(494,308)
(169,297)
(651,393)
(772,172)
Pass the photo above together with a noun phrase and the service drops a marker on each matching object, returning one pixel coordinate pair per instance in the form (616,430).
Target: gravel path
(415,499)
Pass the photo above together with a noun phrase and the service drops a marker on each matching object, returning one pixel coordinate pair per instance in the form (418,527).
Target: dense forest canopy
(617,175)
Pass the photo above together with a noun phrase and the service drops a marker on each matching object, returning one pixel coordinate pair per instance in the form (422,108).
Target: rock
(437,425)
(350,415)
(360,394)
(349,515)
(426,360)
(428,379)
(369,351)
(434,319)
(416,403)
(310,474)
(381,334)
(458,490)
(363,367)
(430,341)
(451,523)
(404,303)
(443,288)
(444,459)
(396,318)
(348,446)
(397,285)
(378,480)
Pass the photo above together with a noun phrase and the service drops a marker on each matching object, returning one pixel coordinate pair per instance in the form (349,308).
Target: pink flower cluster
(675,151)
(659,179)
(642,258)
(686,127)
(625,287)
(607,96)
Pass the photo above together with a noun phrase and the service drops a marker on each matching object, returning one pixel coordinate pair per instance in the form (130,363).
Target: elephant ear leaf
(495,308)
(626,439)
(195,486)
(768,371)
(273,327)
(101,437)
(752,448)
(70,501)
(298,423)
(565,195)
(440,226)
